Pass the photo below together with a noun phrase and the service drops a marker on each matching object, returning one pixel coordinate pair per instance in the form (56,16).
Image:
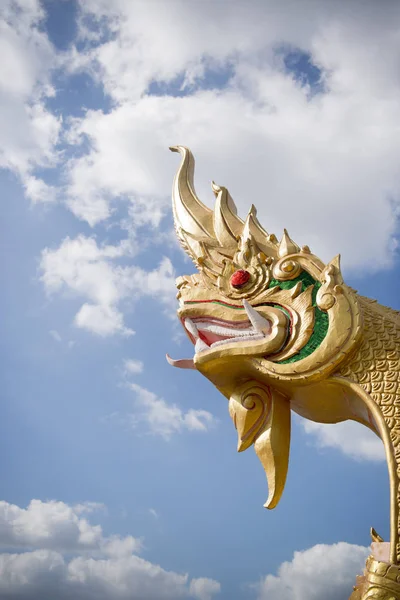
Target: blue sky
(113,462)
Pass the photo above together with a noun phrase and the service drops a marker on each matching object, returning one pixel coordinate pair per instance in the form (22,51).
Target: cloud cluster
(57,526)
(350,438)
(310,161)
(203,588)
(29,131)
(91,271)
(101,567)
(165,419)
(132,366)
(322,571)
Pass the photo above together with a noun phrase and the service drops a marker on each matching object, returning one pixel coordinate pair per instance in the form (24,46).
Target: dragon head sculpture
(275,329)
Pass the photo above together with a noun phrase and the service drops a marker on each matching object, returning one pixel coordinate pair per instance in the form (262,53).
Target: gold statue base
(381,580)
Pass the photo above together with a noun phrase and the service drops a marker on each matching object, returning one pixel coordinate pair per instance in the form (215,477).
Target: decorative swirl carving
(249,408)
(286,269)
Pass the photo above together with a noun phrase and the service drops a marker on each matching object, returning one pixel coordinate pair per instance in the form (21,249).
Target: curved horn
(190,214)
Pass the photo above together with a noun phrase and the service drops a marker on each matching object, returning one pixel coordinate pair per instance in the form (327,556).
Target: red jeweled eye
(240,278)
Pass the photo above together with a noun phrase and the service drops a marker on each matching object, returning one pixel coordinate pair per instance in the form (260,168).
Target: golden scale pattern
(376,367)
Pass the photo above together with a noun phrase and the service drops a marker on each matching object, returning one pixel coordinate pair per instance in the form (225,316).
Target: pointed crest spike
(333,266)
(189,212)
(246,233)
(287,245)
(333,269)
(193,220)
(227,225)
(253,211)
(336,262)
(215,188)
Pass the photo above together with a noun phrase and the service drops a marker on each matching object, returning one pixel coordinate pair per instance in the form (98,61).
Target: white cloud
(309,163)
(165,419)
(350,438)
(55,335)
(101,319)
(147,211)
(90,271)
(38,191)
(45,573)
(117,547)
(158,283)
(184,38)
(57,526)
(204,589)
(101,568)
(133,366)
(89,507)
(28,130)
(153,512)
(322,571)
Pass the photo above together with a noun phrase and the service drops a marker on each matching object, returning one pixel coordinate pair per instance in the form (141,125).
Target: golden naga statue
(275,330)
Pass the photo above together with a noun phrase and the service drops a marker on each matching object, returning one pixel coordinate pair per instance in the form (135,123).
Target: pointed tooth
(191,327)
(200,346)
(260,324)
(215,188)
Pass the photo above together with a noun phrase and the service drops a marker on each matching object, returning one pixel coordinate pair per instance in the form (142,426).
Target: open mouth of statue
(207,333)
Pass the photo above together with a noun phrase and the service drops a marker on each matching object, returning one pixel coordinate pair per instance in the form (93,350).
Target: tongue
(182,363)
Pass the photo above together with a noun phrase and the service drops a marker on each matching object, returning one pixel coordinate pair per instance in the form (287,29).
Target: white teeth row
(260,327)
(255,336)
(223,330)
